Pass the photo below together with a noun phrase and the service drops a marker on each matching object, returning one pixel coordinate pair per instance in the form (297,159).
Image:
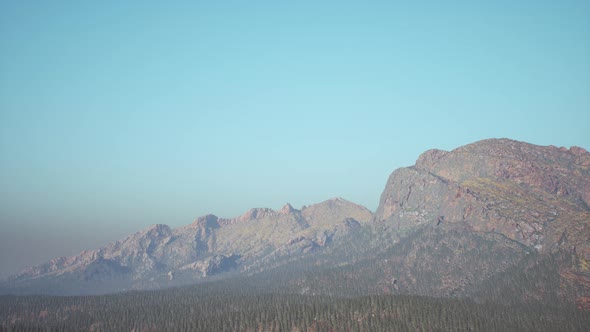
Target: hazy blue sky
(115,116)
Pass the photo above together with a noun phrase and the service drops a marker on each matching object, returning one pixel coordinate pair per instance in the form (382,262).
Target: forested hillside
(227,306)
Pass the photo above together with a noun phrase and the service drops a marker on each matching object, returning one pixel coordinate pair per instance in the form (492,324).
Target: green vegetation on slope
(225,306)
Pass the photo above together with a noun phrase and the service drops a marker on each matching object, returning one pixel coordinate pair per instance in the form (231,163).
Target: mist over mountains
(490,219)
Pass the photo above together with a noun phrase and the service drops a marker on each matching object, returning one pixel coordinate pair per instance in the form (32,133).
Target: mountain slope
(159,256)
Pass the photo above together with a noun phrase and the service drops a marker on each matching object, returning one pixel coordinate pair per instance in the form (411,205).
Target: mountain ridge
(159,251)
(446,226)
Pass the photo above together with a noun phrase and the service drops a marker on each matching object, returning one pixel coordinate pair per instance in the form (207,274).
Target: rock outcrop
(535,195)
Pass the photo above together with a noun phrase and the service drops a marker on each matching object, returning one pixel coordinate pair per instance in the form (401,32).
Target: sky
(115,115)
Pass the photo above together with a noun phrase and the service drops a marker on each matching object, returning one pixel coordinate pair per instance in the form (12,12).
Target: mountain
(159,256)
(495,220)
(538,196)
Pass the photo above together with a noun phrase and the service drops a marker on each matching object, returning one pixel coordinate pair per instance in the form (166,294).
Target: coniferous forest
(233,305)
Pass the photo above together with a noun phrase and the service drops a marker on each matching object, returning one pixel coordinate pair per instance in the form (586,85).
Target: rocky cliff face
(535,195)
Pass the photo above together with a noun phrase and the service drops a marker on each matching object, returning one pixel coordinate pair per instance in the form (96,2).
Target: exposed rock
(213,265)
(207,221)
(429,158)
(333,211)
(287,209)
(252,214)
(528,193)
(104,269)
(155,256)
(537,196)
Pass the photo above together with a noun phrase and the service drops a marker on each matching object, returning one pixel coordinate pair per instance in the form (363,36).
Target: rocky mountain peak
(157,229)
(207,221)
(429,158)
(528,193)
(338,201)
(545,168)
(578,151)
(256,213)
(287,209)
(252,214)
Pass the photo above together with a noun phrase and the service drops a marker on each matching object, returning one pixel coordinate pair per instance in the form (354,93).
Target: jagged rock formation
(160,256)
(210,266)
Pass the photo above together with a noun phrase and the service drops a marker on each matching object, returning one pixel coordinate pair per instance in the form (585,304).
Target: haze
(116,116)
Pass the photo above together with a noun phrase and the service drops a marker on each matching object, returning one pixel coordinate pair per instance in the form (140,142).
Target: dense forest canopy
(226,307)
